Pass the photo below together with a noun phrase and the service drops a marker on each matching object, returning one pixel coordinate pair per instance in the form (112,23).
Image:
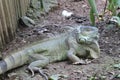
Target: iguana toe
(88,61)
(82,62)
(42,74)
(31,71)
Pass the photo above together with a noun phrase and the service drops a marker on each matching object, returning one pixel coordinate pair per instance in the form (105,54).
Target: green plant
(93,77)
(113,5)
(93,11)
(41,5)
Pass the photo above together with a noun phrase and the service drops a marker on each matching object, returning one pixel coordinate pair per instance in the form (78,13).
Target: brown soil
(53,24)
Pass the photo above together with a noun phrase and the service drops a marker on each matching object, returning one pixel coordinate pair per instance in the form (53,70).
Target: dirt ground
(54,24)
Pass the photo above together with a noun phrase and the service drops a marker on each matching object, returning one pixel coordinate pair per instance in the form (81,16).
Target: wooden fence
(10,12)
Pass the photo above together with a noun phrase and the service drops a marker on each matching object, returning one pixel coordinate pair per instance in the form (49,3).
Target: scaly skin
(81,42)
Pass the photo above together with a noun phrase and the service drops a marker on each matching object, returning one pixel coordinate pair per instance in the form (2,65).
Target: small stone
(26,21)
(24,41)
(66,13)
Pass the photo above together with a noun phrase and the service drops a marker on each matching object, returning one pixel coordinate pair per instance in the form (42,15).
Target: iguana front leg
(75,59)
(72,44)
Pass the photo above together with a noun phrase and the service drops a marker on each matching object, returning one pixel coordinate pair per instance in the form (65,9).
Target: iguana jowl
(80,42)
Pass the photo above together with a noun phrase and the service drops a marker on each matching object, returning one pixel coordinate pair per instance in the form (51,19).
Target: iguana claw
(34,69)
(42,74)
(31,71)
(79,63)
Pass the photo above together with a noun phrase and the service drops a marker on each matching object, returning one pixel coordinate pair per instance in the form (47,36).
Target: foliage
(117,66)
(93,11)
(118,76)
(57,77)
(93,77)
(41,5)
(113,5)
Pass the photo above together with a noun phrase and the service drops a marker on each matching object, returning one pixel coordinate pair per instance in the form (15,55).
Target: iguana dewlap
(80,42)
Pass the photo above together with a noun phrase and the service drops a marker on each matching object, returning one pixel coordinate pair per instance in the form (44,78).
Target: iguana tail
(7,64)
(3,66)
(12,61)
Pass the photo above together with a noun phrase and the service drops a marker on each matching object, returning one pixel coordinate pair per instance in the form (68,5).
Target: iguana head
(87,34)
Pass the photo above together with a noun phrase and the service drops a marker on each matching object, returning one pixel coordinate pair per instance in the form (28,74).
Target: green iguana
(80,42)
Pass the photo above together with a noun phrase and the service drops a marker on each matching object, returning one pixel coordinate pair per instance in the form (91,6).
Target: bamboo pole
(10,12)
(13,16)
(1,36)
(8,18)
(3,22)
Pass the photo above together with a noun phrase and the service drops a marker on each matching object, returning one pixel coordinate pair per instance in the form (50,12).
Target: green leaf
(92,17)
(113,5)
(118,76)
(117,66)
(118,14)
(54,77)
(118,3)
(93,6)
(92,78)
(41,5)
(93,11)
(57,76)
